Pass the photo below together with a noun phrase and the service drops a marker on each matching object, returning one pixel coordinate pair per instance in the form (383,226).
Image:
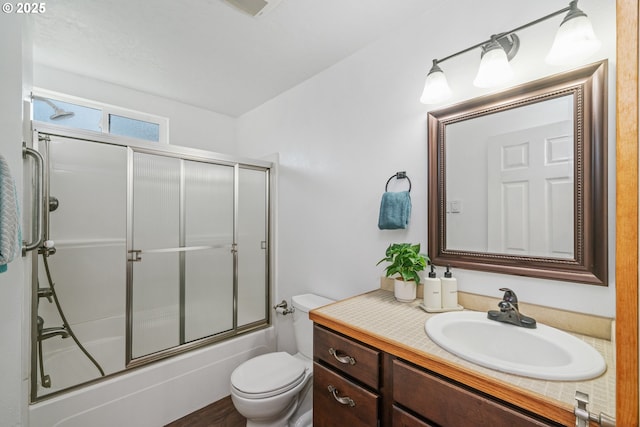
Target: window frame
(108,110)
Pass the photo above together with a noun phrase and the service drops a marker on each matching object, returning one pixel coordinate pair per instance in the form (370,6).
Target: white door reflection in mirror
(530,192)
(513,172)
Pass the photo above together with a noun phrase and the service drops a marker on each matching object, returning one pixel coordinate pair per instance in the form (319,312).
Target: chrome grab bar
(38,217)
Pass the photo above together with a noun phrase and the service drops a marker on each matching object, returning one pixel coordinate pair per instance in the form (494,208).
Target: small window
(125,126)
(66,114)
(78,113)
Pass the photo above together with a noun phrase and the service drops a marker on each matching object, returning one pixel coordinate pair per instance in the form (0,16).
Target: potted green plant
(405,263)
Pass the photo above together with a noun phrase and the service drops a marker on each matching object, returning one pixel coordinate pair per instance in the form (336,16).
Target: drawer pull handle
(342,400)
(342,358)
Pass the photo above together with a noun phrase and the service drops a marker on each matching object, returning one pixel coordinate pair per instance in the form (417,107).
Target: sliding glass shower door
(182,250)
(208,273)
(253,260)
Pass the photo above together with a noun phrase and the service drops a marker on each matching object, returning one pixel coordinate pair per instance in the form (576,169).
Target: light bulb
(494,67)
(436,88)
(575,40)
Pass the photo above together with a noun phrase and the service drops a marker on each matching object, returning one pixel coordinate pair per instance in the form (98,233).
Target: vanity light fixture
(574,41)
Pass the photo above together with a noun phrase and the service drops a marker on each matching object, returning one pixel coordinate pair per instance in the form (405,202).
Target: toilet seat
(267,375)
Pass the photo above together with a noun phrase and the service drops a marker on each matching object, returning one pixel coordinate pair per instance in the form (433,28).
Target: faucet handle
(510,297)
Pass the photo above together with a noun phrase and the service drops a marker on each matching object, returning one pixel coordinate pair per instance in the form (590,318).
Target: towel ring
(398,175)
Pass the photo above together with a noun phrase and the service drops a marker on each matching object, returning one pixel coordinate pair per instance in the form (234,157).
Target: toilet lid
(268,375)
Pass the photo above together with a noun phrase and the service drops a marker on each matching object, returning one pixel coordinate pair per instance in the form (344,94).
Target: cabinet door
(340,402)
(449,405)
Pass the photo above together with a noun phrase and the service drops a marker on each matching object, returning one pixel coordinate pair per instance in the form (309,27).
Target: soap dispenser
(449,290)
(432,291)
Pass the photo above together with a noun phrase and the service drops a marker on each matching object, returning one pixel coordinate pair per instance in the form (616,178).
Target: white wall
(189,126)
(15,74)
(341,134)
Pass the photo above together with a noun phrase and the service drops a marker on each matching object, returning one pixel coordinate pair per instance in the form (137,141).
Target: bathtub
(67,365)
(153,395)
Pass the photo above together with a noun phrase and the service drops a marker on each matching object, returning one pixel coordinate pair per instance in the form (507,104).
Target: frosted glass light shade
(436,88)
(575,40)
(494,68)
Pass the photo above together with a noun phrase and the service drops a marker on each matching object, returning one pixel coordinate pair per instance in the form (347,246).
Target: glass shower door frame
(134,255)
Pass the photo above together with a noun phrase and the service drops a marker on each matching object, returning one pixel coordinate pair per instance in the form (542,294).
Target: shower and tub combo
(144,251)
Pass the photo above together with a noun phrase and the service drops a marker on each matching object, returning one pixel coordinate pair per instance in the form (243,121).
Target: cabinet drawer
(405,419)
(449,405)
(348,356)
(359,407)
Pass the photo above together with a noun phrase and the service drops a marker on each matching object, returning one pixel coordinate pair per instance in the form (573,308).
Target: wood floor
(219,414)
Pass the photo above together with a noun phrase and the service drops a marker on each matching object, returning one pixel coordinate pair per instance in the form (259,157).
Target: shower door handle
(38,217)
(136,255)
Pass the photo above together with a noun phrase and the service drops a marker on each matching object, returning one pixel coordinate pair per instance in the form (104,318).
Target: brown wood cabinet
(345,381)
(358,385)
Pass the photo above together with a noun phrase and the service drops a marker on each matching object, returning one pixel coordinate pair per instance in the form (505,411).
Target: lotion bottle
(449,290)
(432,291)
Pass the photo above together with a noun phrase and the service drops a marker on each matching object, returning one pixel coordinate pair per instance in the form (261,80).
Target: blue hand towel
(395,210)
(10,236)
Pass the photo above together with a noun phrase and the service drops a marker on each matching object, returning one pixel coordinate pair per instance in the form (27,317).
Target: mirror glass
(509,181)
(517,180)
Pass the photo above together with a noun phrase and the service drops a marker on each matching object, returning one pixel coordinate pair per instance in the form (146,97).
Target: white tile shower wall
(341,134)
(87,282)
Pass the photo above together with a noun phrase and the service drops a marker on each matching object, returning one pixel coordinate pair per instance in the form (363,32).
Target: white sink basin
(544,353)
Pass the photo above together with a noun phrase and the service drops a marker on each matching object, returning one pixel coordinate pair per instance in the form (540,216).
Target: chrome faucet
(53,332)
(46,333)
(509,311)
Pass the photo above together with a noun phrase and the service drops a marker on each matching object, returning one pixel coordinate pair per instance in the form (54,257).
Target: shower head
(58,113)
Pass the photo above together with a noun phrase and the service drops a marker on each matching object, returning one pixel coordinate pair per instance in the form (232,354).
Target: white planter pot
(404,291)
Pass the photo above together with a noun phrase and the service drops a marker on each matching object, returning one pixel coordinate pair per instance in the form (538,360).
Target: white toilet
(270,389)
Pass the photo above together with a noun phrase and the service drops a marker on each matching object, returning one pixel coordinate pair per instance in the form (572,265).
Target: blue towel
(10,235)
(395,210)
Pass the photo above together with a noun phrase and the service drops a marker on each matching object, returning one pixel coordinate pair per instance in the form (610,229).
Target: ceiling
(207,53)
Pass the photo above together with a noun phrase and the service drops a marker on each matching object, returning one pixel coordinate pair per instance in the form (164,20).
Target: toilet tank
(302,326)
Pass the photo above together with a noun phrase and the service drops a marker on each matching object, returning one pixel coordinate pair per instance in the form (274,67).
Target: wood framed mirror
(518,180)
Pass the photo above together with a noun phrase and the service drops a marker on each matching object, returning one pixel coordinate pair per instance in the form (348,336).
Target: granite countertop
(400,327)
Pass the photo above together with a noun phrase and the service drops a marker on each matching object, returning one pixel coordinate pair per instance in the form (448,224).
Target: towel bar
(398,175)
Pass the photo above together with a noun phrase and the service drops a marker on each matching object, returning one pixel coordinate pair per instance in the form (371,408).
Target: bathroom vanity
(375,365)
